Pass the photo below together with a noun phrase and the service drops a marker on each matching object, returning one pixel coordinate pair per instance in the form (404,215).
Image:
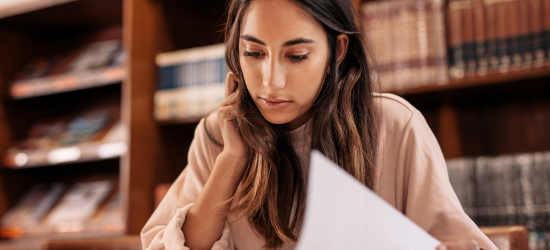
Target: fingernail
(442,248)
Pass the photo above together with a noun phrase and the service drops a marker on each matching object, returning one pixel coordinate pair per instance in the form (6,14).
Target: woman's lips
(275,103)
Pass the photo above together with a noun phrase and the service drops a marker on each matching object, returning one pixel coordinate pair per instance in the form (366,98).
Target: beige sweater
(411,176)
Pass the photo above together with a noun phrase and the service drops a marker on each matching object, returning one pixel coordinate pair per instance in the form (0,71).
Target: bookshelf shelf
(190,120)
(83,152)
(476,81)
(67,82)
(14,7)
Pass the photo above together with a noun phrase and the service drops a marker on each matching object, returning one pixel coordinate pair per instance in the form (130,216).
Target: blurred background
(99,100)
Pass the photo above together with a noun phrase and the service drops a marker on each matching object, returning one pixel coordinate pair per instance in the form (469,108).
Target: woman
(302,81)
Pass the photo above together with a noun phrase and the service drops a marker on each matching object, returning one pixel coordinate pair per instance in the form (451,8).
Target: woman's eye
(254,55)
(297,58)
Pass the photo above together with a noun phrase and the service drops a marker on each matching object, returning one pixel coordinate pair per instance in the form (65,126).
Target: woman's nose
(274,76)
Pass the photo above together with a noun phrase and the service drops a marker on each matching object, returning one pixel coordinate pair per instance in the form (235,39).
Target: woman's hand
(459,245)
(234,146)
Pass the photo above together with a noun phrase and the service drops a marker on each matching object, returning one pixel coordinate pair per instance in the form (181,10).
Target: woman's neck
(299,121)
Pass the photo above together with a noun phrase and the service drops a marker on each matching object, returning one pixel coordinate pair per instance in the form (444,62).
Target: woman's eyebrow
(297,41)
(287,43)
(252,39)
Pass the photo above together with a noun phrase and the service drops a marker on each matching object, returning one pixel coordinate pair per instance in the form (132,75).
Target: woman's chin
(278,118)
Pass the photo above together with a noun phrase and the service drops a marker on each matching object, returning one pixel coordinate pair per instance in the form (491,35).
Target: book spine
(402,65)
(539,174)
(371,24)
(396,43)
(513,32)
(469,176)
(480,30)
(431,76)
(424,43)
(510,187)
(413,45)
(502,36)
(518,196)
(525,46)
(535,31)
(499,169)
(468,41)
(481,185)
(385,35)
(455,41)
(493,59)
(545,7)
(440,50)
(529,211)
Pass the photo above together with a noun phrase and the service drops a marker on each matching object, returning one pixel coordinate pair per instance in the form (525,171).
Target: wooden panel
(508,237)
(13,53)
(140,23)
(448,132)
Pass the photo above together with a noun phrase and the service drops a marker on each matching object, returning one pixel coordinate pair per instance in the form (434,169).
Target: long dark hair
(344,128)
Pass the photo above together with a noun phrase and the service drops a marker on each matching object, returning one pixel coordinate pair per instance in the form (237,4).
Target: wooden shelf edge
(475,81)
(67,82)
(16,7)
(83,152)
(189,120)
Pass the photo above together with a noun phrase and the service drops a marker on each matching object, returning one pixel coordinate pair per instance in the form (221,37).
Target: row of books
(504,190)
(191,82)
(497,35)
(96,63)
(52,209)
(422,42)
(408,40)
(95,134)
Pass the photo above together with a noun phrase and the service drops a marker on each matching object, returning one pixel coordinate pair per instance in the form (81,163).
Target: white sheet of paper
(341,213)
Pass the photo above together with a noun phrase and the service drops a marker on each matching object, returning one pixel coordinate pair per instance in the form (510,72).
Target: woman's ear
(342,42)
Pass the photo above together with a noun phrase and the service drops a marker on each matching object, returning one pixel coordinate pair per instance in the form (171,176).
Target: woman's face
(283,57)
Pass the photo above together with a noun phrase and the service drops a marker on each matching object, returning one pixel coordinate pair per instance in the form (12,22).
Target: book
(30,210)
(77,206)
(468,38)
(457,64)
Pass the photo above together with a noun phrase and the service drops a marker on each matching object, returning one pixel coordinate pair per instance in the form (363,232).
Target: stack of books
(408,40)
(191,82)
(50,209)
(497,35)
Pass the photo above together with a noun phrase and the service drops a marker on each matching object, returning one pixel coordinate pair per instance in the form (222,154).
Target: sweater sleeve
(429,199)
(163,229)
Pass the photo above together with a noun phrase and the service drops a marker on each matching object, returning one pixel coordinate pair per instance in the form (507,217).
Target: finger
(230,84)
(230,100)
(227,113)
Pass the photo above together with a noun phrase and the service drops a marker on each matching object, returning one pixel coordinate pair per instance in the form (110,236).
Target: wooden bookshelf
(45,28)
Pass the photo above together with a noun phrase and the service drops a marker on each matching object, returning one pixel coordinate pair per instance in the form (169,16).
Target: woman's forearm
(205,221)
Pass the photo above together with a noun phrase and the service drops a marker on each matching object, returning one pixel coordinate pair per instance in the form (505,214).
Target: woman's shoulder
(394,111)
